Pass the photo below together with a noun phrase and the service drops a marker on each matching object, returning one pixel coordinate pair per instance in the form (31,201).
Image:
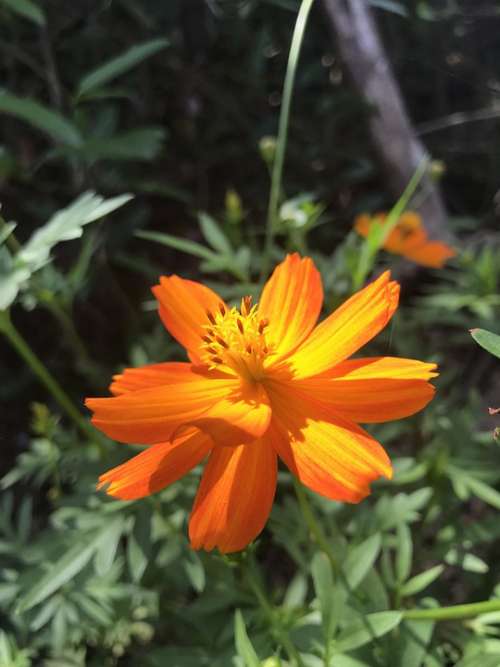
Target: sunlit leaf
(487,340)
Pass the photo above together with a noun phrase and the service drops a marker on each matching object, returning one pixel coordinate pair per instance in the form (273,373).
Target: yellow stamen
(235,340)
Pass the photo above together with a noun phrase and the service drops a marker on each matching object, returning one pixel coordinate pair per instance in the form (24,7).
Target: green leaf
(365,629)
(27,9)
(108,547)
(40,117)
(117,66)
(359,561)
(323,586)
(404,553)
(140,144)
(65,225)
(243,644)
(65,569)
(413,642)
(195,571)
(480,660)
(6,231)
(487,340)
(12,278)
(191,247)
(213,234)
(421,581)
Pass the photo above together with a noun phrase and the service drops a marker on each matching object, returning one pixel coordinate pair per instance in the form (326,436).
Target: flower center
(235,340)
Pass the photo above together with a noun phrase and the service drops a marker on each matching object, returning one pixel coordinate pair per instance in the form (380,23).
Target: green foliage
(489,341)
(87,581)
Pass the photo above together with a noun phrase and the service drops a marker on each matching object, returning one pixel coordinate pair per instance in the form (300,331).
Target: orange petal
(375,389)
(132,379)
(291,301)
(235,496)
(226,409)
(241,416)
(330,455)
(183,310)
(156,467)
(152,415)
(348,328)
(433,254)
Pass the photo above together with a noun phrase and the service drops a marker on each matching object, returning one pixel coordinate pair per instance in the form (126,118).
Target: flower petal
(156,467)
(153,375)
(235,496)
(348,328)
(152,415)
(375,389)
(291,301)
(432,254)
(332,456)
(183,310)
(228,410)
(241,416)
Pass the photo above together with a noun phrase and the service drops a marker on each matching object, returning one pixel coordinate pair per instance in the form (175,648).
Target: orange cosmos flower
(262,382)
(409,239)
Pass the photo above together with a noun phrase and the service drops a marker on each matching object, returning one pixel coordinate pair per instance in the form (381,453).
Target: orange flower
(409,239)
(263,382)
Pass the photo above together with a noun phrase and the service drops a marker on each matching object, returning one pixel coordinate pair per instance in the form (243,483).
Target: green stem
(453,613)
(279,158)
(27,354)
(369,249)
(314,526)
(274,622)
(85,364)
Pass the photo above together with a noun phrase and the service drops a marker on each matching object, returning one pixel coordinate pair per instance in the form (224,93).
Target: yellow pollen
(235,340)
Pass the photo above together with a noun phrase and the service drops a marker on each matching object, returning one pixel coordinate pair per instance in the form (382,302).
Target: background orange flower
(409,239)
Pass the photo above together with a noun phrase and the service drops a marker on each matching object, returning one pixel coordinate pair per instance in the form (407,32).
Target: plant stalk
(43,374)
(279,157)
(453,613)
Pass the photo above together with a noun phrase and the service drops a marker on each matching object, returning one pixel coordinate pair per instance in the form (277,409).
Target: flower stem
(275,623)
(370,249)
(314,526)
(453,613)
(43,374)
(279,157)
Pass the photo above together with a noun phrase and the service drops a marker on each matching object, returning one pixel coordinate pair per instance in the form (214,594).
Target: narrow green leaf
(214,235)
(359,561)
(487,340)
(6,231)
(117,66)
(40,117)
(65,569)
(421,581)
(480,660)
(66,225)
(107,549)
(191,247)
(195,571)
(476,486)
(413,642)
(141,144)
(27,9)
(243,644)
(404,553)
(321,570)
(365,629)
